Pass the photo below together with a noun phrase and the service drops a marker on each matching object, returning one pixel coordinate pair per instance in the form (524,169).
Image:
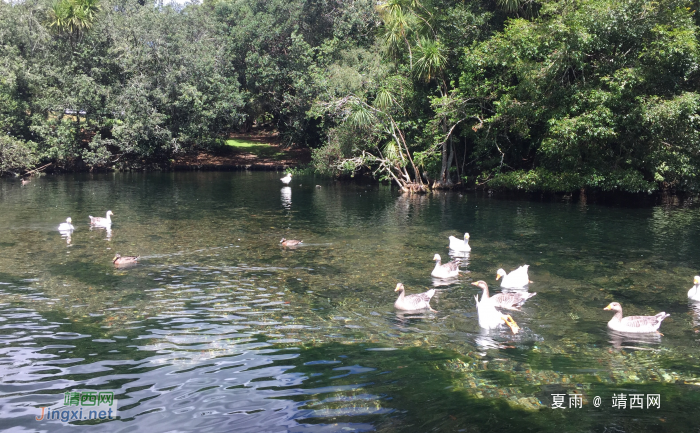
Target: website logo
(81,406)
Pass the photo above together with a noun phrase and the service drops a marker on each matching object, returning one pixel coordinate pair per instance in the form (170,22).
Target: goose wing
(420,298)
(510,301)
(452,266)
(417,301)
(637,322)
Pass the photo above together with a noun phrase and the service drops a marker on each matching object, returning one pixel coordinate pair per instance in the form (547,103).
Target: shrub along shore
(536,96)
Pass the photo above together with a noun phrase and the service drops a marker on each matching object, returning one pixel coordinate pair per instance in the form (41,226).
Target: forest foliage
(551,95)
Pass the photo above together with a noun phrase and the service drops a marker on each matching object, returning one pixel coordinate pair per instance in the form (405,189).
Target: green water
(220,329)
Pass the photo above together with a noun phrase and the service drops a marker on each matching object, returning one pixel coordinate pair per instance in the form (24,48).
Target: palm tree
(430,58)
(73,17)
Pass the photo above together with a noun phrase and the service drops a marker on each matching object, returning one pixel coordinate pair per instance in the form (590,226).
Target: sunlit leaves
(430,59)
(384,99)
(360,115)
(73,16)
(510,6)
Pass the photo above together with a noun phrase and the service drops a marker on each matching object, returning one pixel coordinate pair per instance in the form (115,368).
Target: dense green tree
(601,94)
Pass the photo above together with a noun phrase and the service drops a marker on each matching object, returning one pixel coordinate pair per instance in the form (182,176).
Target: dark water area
(219,328)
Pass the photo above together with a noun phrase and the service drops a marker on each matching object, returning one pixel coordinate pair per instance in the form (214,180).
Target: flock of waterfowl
(515,286)
(66,229)
(516,293)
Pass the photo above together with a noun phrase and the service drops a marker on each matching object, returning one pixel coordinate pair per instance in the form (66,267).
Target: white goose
(694,292)
(418,301)
(517,278)
(66,226)
(490,317)
(460,245)
(447,270)
(288,178)
(634,324)
(101,222)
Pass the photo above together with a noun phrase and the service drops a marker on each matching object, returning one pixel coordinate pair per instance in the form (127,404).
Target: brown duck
(290,242)
(125,260)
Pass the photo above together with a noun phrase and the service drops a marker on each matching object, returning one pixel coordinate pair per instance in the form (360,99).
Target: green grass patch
(261,150)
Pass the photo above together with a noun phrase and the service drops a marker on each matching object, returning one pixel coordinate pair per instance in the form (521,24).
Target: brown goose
(125,261)
(25,181)
(418,301)
(636,324)
(446,270)
(290,242)
(510,301)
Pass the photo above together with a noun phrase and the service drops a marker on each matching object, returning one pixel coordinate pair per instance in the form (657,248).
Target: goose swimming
(635,324)
(288,178)
(447,270)
(694,292)
(417,301)
(102,222)
(66,226)
(516,279)
(490,317)
(460,245)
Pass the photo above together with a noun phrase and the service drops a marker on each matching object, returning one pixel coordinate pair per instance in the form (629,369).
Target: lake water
(219,328)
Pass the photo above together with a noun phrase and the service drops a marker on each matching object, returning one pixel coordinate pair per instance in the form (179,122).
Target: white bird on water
(694,292)
(105,222)
(66,226)
(288,178)
(445,270)
(418,301)
(460,245)
(516,279)
(634,324)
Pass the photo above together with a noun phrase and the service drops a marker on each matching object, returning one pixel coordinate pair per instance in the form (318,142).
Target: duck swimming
(635,324)
(101,222)
(288,178)
(510,301)
(418,301)
(447,270)
(125,260)
(290,242)
(460,245)
(516,279)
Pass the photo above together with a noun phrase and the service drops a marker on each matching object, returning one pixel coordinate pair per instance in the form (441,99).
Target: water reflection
(286,197)
(66,234)
(695,311)
(444,282)
(463,257)
(222,329)
(628,340)
(107,230)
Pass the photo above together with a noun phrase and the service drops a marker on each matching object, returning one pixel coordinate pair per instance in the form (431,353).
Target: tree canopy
(548,95)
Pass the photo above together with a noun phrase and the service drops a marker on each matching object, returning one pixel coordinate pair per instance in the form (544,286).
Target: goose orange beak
(608,307)
(498,276)
(475,284)
(511,324)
